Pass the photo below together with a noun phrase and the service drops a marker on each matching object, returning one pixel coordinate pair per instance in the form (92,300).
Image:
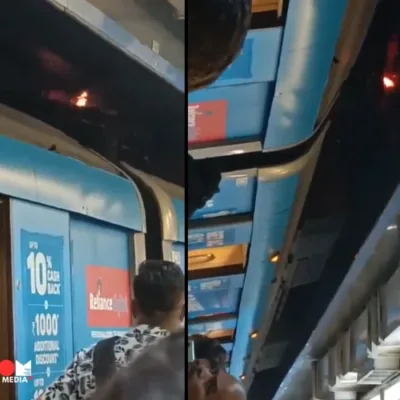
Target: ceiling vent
(308,270)
(312,248)
(271,355)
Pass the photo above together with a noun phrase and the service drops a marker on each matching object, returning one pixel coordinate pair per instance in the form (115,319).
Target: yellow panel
(264,5)
(217,257)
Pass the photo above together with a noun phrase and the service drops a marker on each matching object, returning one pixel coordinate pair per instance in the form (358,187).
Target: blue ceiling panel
(257,61)
(220,235)
(229,112)
(236,196)
(235,106)
(212,296)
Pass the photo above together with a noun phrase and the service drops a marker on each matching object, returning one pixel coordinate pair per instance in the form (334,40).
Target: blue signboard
(100,254)
(44,315)
(178,255)
(202,328)
(213,296)
(236,196)
(218,236)
(230,112)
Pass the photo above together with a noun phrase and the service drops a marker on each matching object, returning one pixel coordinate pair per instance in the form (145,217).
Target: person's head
(210,350)
(157,373)
(159,295)
(216,30)
(212,382)
(205,384)
(202,383)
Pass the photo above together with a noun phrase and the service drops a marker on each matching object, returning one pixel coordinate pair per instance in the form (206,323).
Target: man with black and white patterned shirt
(158,309)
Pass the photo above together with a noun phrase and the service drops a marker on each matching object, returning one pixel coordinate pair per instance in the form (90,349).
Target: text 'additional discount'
(44,318)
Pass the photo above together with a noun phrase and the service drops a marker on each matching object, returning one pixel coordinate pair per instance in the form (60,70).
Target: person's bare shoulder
(230,388)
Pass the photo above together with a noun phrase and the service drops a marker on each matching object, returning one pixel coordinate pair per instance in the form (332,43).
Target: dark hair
(158,287)
(216,30)
(210,350)
(157,373)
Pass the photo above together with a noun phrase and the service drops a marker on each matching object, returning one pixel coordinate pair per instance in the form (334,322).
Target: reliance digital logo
(107,297)
(15,373)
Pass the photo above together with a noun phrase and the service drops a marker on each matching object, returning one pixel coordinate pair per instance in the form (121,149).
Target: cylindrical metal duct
(376,261)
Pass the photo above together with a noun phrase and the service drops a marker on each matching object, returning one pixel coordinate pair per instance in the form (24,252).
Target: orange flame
(82,99)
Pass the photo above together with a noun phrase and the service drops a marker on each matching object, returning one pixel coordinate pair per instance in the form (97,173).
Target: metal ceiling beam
(276,288)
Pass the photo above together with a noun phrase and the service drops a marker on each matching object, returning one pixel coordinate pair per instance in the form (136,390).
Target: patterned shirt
(78,382)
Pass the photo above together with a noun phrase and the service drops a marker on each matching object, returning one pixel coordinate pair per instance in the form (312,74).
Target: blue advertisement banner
(211,238)
(214,296)
(178,255)
(203,328)
(212,303)
(219,236)
(218,283)
(100,255)
(42,281)
(235,196)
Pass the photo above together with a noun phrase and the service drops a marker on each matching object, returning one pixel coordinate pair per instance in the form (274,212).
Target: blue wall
(106,249)
(78,253)
(74,224)
(35,174)
(65,214)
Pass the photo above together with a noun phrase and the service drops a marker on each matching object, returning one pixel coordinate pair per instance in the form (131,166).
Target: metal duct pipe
(377,259)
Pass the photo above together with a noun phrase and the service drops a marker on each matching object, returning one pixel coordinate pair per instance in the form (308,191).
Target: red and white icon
(15,372)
